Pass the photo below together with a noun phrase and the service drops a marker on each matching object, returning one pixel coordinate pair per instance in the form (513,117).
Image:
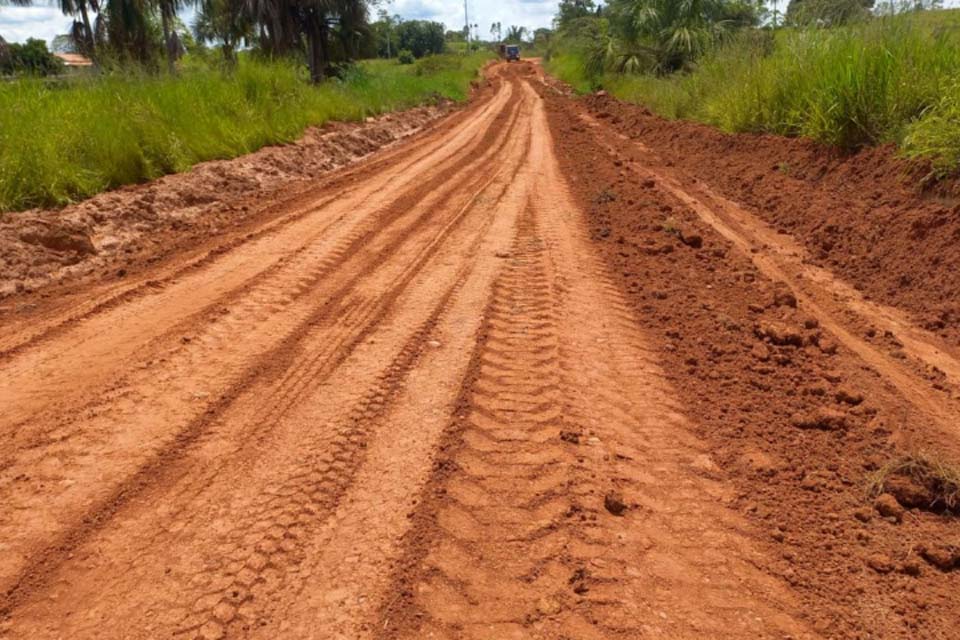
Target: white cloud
(532,14)
(19,23)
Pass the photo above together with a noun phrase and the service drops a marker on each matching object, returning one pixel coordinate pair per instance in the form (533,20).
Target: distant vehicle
(510,52)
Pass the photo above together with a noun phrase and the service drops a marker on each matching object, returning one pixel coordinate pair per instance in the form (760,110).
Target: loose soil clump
(920,481)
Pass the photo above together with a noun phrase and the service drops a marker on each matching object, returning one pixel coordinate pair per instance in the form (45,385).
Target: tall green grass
(892,79)
(63,142)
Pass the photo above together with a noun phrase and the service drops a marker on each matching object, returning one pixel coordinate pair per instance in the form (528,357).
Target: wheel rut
(296,492)
(273,318)
(569,501)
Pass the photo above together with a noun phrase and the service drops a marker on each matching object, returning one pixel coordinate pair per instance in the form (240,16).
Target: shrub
(405,57)
(936,133)
(31,58)
(421,37)
(431,65)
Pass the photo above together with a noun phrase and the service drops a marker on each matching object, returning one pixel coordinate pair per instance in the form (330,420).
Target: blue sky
(43,21)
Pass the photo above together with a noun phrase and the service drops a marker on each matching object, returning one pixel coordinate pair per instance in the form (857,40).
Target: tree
(81,31)
(496,32)
(4,53)
(515,34)
(128,28)
(352,26)
(225,22)
(31,58)
(275,25)
(571,10)
(168,16)
(542,37)
(664,35)
(328,30)
(384,32)
(421,37)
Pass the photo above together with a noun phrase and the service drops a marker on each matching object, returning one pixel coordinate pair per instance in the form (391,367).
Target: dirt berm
(115,232)
(786,372)
(870,217)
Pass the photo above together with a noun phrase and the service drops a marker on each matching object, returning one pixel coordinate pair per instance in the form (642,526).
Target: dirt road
(446,393)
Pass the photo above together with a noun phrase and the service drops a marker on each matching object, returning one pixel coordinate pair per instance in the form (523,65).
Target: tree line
(326,34)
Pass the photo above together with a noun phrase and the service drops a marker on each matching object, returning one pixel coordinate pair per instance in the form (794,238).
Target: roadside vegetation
(61,142)
(843,73)
(161,96)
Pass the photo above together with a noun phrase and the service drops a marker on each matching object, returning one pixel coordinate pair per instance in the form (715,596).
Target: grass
(889,80)
(939,478)
(63,142)
(569,67)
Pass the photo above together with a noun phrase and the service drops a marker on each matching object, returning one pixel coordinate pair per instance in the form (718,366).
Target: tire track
(363,465)
(298,274)
(327,462)
(818,291)
(271,218)
(573,502)
(31,380)
(341,293)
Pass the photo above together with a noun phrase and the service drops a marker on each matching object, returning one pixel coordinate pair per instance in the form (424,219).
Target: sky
(44,22)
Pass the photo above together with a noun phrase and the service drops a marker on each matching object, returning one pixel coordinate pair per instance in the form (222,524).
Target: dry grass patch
(920,480)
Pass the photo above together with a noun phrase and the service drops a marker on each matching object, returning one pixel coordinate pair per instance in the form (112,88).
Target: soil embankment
(866,216)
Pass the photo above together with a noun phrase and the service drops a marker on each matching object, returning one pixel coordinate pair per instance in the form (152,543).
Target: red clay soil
(795,422)
(865,216)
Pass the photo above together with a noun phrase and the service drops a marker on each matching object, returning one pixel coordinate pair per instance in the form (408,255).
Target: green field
(61,142)
(892,79)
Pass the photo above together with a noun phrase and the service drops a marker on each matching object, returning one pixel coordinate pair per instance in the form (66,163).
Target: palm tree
(81,32)
(286,25)
(352,26)
(386,24)
(168,15)
(673,32)
(225,21)
(4,52)
(275,24)
(515,34)
(125,26)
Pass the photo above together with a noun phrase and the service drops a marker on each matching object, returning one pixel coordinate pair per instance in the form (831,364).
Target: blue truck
(510,52)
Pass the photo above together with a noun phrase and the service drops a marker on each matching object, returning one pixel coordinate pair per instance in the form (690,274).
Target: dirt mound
(112,230)
(795,421)
(864,216)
